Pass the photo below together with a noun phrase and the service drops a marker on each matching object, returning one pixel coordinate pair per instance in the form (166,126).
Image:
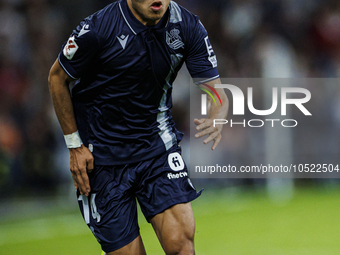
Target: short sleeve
(201,59)
(80,51)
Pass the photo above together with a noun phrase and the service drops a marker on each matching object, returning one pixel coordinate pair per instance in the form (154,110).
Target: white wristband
(73,140)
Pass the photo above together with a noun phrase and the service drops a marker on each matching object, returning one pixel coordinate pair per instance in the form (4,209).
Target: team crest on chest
(174,40)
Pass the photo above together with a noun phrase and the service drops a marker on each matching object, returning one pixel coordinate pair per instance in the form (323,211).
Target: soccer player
(118,126)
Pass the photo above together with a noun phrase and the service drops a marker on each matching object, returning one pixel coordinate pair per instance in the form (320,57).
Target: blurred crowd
(301,36)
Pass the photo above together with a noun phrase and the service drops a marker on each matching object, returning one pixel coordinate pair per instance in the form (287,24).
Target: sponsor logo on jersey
(174,40)
(123,40)
(85,29)
(177,176)
(175,161)
(70,48)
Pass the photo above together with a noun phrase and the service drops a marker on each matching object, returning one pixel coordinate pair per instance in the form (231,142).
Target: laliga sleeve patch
(175,161)
(70,48)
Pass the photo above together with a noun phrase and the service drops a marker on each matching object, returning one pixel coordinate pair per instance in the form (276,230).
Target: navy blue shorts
(110,211)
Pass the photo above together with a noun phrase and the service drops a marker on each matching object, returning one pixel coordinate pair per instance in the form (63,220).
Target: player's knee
(180,245)
(185,247)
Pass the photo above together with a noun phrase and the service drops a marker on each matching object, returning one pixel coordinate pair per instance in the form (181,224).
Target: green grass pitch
(236,223)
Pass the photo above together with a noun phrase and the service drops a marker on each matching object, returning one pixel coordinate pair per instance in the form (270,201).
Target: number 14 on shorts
(86,207)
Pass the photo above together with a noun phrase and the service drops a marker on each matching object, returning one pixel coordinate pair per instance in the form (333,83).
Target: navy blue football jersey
(124,73)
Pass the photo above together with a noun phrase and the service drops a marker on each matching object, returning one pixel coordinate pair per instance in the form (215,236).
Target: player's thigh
(111,209)
(136,247)
(175,227)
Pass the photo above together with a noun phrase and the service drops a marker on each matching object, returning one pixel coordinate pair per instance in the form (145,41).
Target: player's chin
(155,16)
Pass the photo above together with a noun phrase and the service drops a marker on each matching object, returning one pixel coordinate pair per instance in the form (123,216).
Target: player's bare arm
(81,159)
(206,125)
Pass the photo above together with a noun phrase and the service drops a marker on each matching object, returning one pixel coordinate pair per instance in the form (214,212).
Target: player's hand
(206,126)
(81,163)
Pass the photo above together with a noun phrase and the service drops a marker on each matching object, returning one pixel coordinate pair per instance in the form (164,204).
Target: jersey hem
(62,65)
(207,80)
(206,75)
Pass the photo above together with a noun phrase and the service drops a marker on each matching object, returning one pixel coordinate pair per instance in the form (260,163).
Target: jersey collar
(134,24)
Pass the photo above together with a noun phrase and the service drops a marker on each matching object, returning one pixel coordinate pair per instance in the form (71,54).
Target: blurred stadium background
(298,38)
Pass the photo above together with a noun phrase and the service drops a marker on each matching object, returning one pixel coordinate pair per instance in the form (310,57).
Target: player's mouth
(156,6)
